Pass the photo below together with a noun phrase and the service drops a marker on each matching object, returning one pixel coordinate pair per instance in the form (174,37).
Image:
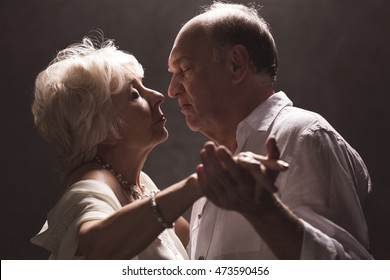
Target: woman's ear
(110,140)
(239,63)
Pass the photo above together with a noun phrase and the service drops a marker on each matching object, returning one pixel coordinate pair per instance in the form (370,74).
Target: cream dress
(92,200)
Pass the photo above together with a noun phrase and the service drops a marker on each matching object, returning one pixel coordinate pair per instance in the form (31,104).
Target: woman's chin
(163,137)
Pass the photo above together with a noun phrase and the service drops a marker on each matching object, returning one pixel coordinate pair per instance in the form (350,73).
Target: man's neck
(225,137)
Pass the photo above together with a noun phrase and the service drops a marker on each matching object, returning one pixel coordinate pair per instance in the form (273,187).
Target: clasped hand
(244,183)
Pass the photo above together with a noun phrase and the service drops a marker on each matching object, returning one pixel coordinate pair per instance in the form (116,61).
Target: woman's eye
(134,94)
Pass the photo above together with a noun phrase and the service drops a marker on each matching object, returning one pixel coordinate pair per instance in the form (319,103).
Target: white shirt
(325,186)
(92,200)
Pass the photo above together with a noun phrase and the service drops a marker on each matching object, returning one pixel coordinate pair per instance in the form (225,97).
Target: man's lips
(186,109)
(183,103)
(184,106)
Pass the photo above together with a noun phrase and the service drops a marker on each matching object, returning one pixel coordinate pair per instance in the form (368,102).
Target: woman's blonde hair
(72,108)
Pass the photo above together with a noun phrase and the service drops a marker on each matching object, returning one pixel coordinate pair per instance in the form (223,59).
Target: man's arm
(246,185)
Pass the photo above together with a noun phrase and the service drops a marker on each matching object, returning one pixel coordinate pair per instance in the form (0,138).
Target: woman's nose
(156,98)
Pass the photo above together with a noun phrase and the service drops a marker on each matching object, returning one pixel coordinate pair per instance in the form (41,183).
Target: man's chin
(192,124)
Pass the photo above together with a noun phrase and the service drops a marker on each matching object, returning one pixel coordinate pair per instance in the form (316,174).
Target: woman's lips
(161,119)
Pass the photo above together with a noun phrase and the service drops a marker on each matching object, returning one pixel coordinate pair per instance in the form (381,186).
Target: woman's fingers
(258,172)
(270,164)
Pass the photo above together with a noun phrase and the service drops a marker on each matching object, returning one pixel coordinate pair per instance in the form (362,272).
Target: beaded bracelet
(157,213)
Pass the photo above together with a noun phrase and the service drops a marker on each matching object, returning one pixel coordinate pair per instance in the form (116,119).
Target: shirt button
(201,258)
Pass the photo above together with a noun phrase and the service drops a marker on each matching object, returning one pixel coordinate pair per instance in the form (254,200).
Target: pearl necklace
(135,191)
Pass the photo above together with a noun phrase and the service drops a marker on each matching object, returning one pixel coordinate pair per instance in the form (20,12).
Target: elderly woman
(91,105)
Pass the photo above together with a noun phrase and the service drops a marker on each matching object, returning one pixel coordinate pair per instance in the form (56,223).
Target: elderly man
(223,64)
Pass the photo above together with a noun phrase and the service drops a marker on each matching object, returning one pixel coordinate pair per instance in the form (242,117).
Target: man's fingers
(227,159)
(204,183)
(216,181)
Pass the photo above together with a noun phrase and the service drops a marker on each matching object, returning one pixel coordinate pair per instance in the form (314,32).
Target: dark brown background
(334,59)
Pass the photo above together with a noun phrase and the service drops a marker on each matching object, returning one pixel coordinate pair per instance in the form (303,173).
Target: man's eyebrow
(177,62)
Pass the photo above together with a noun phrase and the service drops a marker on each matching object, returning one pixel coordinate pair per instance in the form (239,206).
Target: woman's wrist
(193,186)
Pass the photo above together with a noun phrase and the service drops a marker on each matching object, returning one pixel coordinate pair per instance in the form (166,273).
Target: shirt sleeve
(321,188)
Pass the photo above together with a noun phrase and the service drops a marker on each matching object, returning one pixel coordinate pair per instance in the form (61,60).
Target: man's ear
(238,62)
(110,140)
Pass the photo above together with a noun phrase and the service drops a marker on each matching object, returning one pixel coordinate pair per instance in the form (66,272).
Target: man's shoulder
(297,118)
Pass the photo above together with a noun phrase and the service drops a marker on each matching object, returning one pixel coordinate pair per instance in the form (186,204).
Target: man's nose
(174,87)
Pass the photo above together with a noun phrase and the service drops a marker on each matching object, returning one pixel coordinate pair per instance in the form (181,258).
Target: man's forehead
(189,43)
(176,61)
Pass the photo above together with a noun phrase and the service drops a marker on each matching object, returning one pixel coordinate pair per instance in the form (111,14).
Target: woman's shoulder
(87,184)
(148,182)
(90,172)
(92,179)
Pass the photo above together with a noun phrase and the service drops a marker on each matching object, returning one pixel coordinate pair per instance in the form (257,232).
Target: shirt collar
(262,117)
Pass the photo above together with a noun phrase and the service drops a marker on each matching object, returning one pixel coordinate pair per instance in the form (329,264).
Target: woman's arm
(130,230)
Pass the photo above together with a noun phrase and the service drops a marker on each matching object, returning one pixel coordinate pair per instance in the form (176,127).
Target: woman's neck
(125,161)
